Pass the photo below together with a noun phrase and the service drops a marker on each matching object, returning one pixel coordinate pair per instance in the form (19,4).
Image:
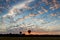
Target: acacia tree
(20,32)
(29,31)
(10,33)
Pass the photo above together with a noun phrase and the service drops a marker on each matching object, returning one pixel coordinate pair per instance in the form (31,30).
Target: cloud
(12,12)
(18,6)
(56,5)
(2,28)
(52,8)
(45,10)
(40,12)
(58,16)
(53,14)
(52,26)
(32,23)
(46,1)
(7,0)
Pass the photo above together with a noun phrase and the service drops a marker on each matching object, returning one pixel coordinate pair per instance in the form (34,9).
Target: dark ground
(28,37)
(23,35)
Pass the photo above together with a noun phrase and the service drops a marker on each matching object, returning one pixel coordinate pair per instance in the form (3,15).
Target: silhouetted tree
(29,31)
(20,32)
(10,33)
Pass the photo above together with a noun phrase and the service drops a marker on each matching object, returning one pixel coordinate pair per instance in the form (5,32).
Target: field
(29,37)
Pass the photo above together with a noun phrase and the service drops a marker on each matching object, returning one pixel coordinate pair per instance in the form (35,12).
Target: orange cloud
(56,5)
(46,1)
(31,14)
(53,14)
(40,12)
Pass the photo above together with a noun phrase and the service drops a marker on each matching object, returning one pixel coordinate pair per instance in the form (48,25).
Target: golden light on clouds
(57,6)
(40,12)
(31,15)
(53,14)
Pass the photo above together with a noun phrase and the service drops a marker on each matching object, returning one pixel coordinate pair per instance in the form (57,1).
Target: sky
(34,15)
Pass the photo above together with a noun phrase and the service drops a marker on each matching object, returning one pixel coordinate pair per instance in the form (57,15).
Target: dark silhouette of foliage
(29,31)
(10,33)
(20,32)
